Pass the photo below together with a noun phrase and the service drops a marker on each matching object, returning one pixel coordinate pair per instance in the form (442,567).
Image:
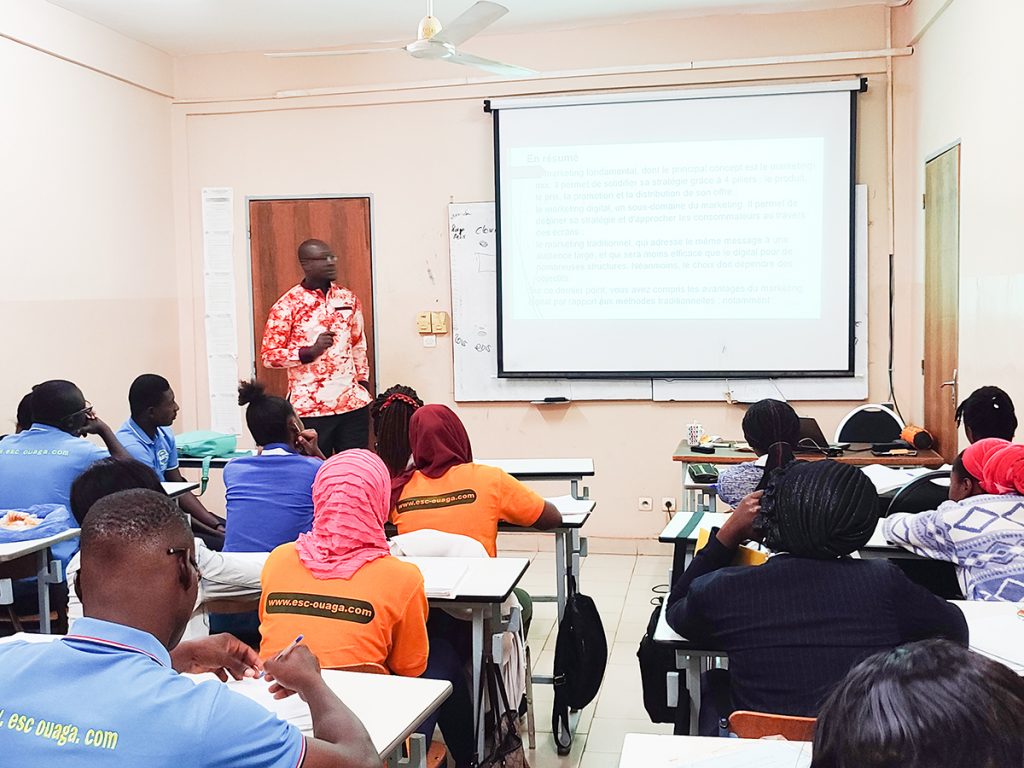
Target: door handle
(952,382)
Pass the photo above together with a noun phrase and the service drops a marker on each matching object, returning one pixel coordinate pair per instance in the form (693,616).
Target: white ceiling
(185,27)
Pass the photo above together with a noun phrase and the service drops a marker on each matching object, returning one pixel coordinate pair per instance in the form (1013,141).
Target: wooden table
(47,572)
(929,458)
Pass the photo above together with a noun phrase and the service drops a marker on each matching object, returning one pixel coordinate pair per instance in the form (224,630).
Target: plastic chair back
(757,725)
(921,494)
(869,424)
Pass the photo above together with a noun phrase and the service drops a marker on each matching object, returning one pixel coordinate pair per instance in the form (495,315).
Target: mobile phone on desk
(895,452)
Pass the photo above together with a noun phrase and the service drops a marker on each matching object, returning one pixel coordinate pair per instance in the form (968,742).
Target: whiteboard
(473,253)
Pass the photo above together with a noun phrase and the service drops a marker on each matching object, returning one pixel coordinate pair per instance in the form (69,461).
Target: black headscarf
(819,509)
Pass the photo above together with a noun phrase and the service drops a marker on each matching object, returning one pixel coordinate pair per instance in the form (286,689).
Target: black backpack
(581,653)
(656,661)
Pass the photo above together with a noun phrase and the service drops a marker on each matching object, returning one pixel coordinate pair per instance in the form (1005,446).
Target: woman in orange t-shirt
(354,603)
(446,491)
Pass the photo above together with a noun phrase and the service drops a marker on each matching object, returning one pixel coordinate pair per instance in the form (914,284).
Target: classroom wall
(417,145)
(87,236)
(959,86)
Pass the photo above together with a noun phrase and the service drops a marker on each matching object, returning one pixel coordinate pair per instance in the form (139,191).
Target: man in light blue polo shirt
(38,465)
(110,694)
(147,436)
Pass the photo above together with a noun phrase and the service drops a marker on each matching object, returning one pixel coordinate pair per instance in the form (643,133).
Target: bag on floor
(581,653)
(506,747)
(656,661)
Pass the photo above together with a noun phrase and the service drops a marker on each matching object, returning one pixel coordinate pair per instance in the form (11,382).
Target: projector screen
(684,235)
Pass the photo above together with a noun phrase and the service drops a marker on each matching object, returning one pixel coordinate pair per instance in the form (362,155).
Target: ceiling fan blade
(342,52)
(488,65)
(471,22)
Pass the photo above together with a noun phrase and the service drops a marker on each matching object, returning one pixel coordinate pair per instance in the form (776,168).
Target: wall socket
(668,503)
(645,503)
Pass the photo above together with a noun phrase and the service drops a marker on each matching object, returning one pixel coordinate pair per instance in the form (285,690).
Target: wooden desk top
(859,459)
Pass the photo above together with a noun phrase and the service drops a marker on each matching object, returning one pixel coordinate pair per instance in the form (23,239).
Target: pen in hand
(288,649)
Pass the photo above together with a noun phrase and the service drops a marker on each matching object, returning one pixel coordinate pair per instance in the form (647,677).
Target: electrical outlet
(668,503)
(645,503)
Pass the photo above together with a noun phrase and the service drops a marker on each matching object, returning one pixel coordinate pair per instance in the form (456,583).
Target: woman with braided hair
(794,626)
(391,413)
(772,429)
(987,412)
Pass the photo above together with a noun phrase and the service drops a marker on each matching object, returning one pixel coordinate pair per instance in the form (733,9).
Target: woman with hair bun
(987,412)
(270,495)
(794,626)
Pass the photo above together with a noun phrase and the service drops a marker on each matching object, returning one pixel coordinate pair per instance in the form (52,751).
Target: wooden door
(276,228)
(942,298)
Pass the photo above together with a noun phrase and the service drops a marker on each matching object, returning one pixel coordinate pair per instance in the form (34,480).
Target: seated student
(38,465)
(923,705)
(352,601)
(772,429)
(794,626)
(226,575)
(148,438)
(23,418)
(987,412)
(391,412)
(981,528)
(110,693)
(270,495)
(448,492)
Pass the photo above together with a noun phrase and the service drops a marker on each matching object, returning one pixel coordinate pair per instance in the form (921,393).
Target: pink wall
(416,146)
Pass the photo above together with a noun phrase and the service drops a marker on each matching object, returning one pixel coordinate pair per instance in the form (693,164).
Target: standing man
(316,331)
(147,436)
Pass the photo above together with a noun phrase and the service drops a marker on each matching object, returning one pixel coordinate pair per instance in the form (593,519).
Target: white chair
(870,423)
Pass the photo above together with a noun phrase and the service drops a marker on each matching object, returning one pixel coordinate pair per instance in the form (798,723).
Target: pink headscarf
(350,506)
(1004,470)
(977,454)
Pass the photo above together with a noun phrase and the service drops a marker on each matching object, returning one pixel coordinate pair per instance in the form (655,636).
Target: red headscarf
(1004,470)
(438,440)
(350,506)
(976,455)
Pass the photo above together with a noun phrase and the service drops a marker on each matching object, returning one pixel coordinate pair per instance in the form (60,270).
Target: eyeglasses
(191,558)
(87,411)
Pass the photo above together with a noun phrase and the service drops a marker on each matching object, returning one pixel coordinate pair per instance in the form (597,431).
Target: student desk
(390,707)
(729,456)
(486,583)
(995,631)
(47,572)
(174,490)
(644,750)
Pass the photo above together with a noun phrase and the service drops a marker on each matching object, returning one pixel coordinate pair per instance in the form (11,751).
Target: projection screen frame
(854,86)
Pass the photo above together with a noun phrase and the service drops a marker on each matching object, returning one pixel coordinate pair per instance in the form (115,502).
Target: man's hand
(739,526)
(221,654)
(298,672)
(322,344)
(307,444)
(93,425)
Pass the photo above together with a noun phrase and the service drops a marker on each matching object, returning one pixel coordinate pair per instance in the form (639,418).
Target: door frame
(373,265)
(956,144)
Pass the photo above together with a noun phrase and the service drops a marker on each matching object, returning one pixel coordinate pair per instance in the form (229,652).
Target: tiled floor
(621,585)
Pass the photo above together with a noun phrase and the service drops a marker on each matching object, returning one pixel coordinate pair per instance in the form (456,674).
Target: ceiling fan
(436,42)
